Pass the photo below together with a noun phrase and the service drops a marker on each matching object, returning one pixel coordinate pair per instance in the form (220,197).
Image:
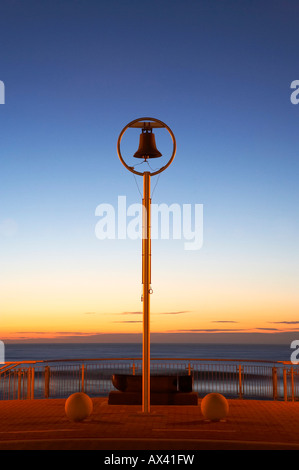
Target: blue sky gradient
(219,74)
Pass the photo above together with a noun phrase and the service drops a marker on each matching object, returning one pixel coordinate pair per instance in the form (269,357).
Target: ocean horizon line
(273,337)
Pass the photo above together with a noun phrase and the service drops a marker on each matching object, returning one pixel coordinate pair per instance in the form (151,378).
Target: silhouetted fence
(233,378)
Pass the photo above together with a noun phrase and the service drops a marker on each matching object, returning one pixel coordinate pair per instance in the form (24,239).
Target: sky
(219,74)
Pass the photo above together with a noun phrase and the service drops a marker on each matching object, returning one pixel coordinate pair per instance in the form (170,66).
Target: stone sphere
(214,407)
(78,406)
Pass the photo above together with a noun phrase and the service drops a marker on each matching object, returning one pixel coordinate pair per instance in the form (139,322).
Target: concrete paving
(250,424)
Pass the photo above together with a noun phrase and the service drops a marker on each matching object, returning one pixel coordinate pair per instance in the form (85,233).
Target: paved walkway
(42,424)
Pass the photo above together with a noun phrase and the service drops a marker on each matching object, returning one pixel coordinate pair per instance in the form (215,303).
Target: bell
(147,146)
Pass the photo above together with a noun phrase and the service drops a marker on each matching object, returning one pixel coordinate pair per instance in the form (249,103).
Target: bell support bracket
(146,123)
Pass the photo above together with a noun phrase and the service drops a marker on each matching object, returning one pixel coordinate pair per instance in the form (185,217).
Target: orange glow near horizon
(89,304)
(43,323)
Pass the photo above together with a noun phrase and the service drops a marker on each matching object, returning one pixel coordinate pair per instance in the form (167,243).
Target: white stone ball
(78,406)
(214,407)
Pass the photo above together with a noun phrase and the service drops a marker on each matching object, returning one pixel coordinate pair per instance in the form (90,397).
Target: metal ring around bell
(130,168)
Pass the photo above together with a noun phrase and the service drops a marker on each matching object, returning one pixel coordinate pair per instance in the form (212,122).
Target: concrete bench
(164,390)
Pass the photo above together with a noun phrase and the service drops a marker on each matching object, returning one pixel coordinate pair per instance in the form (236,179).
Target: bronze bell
(147,146)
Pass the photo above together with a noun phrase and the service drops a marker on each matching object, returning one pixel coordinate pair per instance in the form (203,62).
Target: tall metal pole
(146,123)
(146,280)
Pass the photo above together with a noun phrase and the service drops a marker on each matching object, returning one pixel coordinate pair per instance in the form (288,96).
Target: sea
(69,351)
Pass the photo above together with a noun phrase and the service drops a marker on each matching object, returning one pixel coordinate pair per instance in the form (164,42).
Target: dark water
(66,378)
(266,352)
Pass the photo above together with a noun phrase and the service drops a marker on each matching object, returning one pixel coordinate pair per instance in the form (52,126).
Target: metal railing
(233,378)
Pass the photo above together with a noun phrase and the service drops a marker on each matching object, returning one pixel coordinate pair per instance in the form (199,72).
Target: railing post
(28,382)
(82,379)
(240,381)
(47,382)
(285,385)
(19,383)
(32,384)
(133,369)
(274,380)
(8,395)
(292,384)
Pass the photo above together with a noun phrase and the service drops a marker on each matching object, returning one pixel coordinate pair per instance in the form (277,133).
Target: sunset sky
(219,74)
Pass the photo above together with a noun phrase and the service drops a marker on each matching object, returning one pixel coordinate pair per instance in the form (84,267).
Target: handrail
(60,377)
(46,361)
(8,366)
(164,359)
(11,365)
